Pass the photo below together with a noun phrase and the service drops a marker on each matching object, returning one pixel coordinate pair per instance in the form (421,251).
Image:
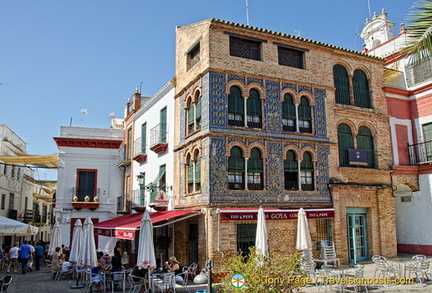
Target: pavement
(40,281)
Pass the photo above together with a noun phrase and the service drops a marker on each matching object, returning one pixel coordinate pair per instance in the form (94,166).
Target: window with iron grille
(291,171)
(3,201)
(254,111)
(288,113)
(341,82)
(307,172)
(305,116)
(291,57)
(345,142)
(246,234)
(193,57)
(365,142)
(245,48)
(324,231)
(362,96)
(11,201)
(419,72)
(236,169)
(235,107)
(255,170)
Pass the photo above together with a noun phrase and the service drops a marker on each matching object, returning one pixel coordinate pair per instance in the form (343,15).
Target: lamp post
(140,179)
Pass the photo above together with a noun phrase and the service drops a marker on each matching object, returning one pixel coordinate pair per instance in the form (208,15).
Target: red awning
(124,227)
(250,214)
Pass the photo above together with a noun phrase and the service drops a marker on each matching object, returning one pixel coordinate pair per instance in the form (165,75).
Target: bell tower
(377,31)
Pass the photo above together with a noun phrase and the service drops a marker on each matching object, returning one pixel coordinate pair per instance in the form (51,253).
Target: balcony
(158,138)
(122,159)
(90,201)
(420,153)
(139,151)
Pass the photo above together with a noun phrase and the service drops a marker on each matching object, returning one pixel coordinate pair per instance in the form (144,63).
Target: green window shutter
(254,103)
(190,173)
(306,164)
(163,125)
(198,109)
(341,82)
(191,114)
(255,163)
(365,142)
(361,89)
(290,164)
(288,108)
(143,138)
(345,142)
(304,109)
(236,161)
(235,101)
(198,170)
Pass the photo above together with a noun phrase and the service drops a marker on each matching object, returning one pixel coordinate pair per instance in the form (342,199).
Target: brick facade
(335,186)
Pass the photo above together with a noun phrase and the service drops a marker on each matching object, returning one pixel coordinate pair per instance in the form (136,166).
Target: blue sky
(58,57)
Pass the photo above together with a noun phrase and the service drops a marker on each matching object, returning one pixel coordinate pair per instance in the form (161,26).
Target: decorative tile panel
(218,164)
(217,100)
(289,86)
(272,107)
(274,168)
(232,77)
(255,80)
(320,113)
(304,88)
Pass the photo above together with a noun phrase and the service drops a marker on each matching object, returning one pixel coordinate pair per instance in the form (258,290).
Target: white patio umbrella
(261,240)
(9,227)
(76,241)
(304,241)
(146,255)
(56,239)
(87,254)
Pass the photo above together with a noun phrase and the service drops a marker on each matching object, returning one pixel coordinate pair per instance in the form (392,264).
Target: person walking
(13,258)
(39,253)
(25,254)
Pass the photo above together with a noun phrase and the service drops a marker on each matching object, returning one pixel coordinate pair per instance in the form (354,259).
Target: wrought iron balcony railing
(420,153)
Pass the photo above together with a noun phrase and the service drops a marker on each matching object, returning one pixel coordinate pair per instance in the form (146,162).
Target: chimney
(137,100)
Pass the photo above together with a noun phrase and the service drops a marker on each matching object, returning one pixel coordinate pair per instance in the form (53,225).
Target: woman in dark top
(118,250)
(116,264)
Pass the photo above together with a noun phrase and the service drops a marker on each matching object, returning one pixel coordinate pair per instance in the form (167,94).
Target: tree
(257,274)
(420,29)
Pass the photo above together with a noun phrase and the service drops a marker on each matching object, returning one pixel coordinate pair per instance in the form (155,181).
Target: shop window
(246,234)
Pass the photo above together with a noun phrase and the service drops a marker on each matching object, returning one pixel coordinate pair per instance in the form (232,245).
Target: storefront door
(357,235)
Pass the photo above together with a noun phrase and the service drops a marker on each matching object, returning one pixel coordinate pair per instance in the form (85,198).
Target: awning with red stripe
(250,214)
(124,227)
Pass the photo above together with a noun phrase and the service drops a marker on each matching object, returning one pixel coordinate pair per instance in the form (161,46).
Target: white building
(409,98)
(89,181)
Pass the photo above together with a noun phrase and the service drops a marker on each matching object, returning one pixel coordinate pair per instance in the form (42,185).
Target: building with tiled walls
(408,90)
(272,120)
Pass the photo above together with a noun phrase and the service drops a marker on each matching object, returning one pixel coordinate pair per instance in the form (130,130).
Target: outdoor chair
(375,258)
(191,270)
(358,275)
(48,264)
(167,283)
(328,253)
(386,269)
(136,283)
(4,284)
(309,268)
(185,278)
(117,279)
(322,277)
(421,269)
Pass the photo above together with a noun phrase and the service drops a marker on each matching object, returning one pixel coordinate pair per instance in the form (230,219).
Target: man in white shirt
(13,257)
(67,267)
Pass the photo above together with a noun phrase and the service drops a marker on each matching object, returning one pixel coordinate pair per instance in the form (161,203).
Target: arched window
(255,170)
(235,107)
(288,113)
(190,117)
(236,168)
(307,172)
(190,178)
(254,109)
(198,113)
(305,116)
(345,142)
(365,142)
(341,83)
(361,89)
(291,171)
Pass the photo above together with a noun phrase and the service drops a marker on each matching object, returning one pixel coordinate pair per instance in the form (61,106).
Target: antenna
(370,13)
(247,12)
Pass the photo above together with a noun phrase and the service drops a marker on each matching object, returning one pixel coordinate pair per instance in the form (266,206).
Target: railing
(93,197)
(417,73)
(137,147)
(158,134)
(121,154)
(420,153)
